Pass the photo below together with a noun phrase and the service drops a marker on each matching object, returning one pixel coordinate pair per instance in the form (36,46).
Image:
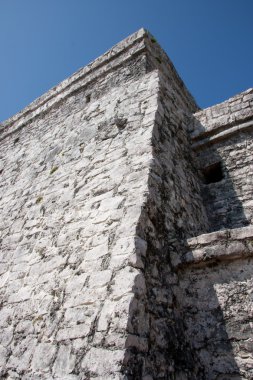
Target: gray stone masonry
(126,228)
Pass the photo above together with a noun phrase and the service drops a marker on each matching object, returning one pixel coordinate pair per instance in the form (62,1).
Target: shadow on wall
(217,321)
(215,298)
(178,328)
(222,167)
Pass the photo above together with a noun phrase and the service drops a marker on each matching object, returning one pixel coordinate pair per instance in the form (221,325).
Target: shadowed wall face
(229,199)
(216,296)
(172,212)
(215,273)
(218,317)
(223,135)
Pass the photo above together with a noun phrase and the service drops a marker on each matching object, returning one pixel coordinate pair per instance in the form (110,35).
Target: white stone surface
(100,192)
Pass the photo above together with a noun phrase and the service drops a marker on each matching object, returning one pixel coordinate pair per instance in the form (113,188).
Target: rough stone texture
(109,264)
(216,295)
(223,133)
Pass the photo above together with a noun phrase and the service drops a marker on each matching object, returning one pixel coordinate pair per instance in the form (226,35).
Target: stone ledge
(222,134)
(217,246)
(220,121)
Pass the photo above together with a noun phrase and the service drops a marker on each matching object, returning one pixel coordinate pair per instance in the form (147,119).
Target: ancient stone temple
(126,228)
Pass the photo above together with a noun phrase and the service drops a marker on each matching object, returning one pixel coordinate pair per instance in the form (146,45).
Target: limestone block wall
(109,185)
(215,270)
(72,187)
(216,296)
(172,211)
(89,203)
(223,134)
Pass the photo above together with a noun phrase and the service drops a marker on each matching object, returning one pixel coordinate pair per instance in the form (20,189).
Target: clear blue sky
(42,42)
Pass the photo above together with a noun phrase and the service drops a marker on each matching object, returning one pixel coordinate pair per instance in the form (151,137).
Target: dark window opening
(213,173)
(87,98)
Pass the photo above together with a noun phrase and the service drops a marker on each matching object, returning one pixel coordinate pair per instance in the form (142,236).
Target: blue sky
(42,42)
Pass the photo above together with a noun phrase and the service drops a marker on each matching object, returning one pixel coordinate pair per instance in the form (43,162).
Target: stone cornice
(138,43)
(223,120)
(133,44)
(221,134)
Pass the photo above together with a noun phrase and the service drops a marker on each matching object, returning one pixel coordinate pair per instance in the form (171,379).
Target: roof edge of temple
(137,43)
